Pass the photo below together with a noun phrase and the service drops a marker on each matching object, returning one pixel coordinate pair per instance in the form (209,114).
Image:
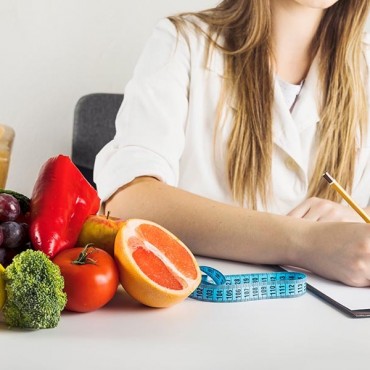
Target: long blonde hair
(244,26)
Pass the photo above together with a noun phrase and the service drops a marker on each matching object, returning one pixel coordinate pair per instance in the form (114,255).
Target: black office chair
(93,127)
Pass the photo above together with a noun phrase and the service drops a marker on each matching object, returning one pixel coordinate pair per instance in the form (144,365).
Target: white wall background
(54,51)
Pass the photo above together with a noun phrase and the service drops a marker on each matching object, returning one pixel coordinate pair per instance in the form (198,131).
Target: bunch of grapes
(14,237)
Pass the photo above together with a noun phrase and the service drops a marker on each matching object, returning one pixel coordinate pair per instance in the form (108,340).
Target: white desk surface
(296,333)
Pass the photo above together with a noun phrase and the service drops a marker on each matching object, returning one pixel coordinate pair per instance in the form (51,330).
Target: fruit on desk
(14,233)
(156,268)
(9,207)
(61,201)
(101,231)
(2,287)
(23,200)
(90,277)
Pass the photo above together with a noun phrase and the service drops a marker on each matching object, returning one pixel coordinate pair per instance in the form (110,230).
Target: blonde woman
(228,123)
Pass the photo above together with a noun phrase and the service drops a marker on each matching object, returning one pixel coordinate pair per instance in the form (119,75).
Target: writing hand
(323,210)
(338,251)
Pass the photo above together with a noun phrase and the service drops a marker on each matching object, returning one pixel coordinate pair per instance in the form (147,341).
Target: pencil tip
(328,178)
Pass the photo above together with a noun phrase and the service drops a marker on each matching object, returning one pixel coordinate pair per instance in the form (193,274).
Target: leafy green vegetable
(34,287)
(23,200)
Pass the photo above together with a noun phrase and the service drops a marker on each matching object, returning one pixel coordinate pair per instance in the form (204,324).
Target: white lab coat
(165,128)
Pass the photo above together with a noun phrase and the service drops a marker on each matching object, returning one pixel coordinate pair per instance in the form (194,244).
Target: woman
(231,118)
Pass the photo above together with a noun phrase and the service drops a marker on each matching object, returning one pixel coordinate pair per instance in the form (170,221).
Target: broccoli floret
(34,287)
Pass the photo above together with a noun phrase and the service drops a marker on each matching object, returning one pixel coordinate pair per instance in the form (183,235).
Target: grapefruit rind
(138,284)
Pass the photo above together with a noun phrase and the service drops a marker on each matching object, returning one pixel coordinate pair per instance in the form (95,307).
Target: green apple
(100,230)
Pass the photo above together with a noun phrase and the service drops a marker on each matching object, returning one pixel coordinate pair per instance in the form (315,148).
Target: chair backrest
(93,127)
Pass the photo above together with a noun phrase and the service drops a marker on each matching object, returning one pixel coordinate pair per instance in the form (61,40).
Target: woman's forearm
(335,250)
(210,228)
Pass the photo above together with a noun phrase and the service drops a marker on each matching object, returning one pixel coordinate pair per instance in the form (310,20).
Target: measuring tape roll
(216,287)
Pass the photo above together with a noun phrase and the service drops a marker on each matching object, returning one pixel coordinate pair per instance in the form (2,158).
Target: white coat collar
(287,126)
(306,109)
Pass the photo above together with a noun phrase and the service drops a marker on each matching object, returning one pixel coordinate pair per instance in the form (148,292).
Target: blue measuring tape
(216,287)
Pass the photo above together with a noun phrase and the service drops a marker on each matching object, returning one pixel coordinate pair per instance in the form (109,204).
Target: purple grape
(14,234)
(7,255)
(1,236)
(26,237)
(9,207)
(3,257)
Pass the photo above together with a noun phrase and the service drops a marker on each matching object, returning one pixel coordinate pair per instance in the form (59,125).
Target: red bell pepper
(61,201)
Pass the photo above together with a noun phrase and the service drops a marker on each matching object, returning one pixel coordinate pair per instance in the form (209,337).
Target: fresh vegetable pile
(58,253)
(32,232)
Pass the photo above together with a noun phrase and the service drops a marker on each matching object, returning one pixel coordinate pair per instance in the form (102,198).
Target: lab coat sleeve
(150,125)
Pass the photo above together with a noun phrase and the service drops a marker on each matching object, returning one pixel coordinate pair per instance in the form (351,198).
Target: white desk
(298,333)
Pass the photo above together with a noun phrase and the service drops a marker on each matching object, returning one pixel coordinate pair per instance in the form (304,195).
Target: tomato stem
(83,257)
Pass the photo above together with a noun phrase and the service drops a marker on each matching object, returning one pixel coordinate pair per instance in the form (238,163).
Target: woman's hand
(338,251)
(322,210)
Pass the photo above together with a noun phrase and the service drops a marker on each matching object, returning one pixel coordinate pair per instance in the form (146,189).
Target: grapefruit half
(155,267)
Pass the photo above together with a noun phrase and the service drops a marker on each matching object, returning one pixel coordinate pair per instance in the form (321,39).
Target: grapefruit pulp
(156,268)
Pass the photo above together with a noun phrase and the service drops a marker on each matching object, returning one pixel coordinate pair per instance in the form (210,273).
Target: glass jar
(6,142)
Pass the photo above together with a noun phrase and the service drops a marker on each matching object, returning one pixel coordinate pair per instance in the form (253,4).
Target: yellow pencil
(334,184)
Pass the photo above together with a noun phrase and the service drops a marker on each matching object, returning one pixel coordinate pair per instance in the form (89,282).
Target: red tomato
(90,277)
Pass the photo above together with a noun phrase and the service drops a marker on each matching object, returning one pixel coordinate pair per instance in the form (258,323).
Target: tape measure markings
(216,287)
